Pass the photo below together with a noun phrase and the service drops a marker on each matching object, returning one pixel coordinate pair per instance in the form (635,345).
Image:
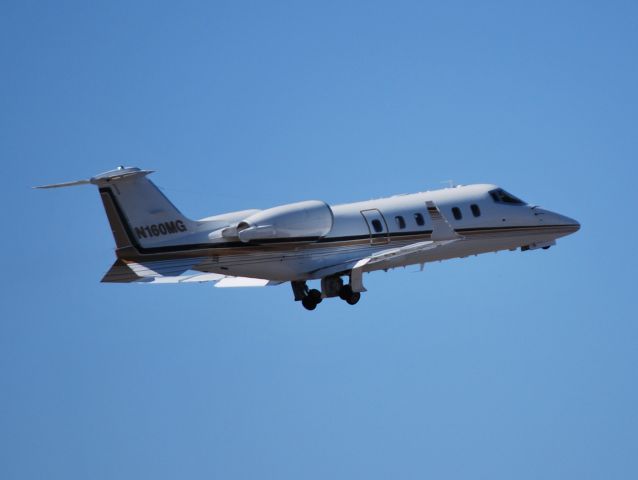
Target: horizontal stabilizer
(106,177)
(65,184)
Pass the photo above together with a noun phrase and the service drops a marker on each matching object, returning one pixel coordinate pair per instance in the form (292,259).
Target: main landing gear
(330,287)
(350,297)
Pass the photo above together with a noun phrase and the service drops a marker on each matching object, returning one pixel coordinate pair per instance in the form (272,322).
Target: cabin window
(501,196)
(456,211)
(476,211)
(400,221)
(418,218)
(376,225)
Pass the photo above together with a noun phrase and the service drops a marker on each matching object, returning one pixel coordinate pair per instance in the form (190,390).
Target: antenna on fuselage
(449,183)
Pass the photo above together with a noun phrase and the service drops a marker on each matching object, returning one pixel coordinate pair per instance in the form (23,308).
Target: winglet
(441,229)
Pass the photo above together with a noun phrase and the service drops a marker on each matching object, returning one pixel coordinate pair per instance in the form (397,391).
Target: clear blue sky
(514,365)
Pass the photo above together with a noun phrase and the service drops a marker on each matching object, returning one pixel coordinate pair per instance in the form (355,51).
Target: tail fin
(138,212)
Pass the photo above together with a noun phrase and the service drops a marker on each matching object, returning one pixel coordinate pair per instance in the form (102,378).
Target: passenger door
(377,226)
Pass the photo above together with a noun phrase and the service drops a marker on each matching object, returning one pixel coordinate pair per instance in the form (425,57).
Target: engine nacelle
(309,220)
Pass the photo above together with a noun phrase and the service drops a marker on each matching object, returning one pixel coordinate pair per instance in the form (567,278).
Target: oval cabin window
(476,211)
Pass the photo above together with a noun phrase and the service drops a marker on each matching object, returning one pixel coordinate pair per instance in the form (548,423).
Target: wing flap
(379,260)
(388,257)
(232,282)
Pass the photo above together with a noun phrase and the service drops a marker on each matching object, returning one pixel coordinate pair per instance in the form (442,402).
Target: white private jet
(311,240)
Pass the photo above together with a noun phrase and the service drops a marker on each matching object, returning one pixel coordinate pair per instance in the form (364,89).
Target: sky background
(509,365)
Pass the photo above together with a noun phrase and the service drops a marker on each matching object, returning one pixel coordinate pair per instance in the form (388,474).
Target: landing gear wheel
(312,299)
(346,293)
(315,295)
(309,303)
(354,298)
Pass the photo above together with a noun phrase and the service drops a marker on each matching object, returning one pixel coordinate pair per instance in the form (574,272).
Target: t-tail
(141,217)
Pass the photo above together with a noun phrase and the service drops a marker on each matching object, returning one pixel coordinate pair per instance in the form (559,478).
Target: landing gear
(308,298)
(312,299)
(346,293)
(334,287)
(331,287)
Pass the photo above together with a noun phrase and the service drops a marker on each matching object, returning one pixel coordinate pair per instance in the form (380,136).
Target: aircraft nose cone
(568,223)
(575,225)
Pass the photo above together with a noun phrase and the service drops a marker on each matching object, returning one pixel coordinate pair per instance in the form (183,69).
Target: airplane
(311,240)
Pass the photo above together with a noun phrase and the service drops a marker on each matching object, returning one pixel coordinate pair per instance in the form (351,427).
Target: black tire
(315,295)
(309,303)
(354,298)
(345,292)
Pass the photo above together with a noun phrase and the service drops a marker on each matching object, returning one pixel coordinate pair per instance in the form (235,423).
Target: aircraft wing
(380,260)
(219,281)
(176,271)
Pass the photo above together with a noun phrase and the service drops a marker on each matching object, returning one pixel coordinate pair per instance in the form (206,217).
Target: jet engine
(309,220)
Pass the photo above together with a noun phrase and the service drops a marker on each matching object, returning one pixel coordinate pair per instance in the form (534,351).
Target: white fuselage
(363,228)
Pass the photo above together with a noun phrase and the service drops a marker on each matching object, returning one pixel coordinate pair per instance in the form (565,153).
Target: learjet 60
(311,240)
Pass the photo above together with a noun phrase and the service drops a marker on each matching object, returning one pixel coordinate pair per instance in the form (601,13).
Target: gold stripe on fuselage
(326,246)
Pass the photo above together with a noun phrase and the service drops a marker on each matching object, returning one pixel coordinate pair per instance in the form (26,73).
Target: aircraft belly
(476,245)
(284,266)
(299,262)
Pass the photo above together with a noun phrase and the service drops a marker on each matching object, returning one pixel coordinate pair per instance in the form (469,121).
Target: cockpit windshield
(501,196)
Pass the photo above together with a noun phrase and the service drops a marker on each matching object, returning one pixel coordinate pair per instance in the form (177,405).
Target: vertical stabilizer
(138,212)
